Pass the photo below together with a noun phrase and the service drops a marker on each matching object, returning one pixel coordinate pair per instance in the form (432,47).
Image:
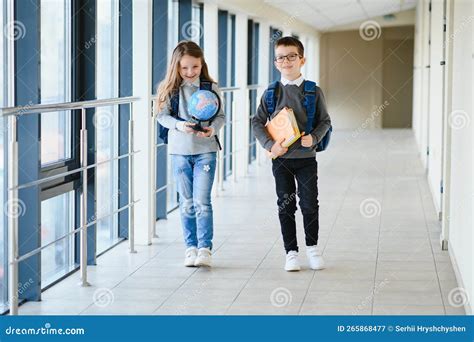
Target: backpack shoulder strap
(309,103)
(205,84)
(175,104)
(271,97)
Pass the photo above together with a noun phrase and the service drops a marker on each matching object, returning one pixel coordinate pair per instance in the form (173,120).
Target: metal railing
(14,258)
(232,154)
(251,88)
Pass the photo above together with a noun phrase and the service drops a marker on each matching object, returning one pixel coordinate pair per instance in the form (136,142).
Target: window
(252,72)
(173,26)
(57,219)
(57,134)
(106,123)
(195,30)
(55,79)
(226,40)
(275,34)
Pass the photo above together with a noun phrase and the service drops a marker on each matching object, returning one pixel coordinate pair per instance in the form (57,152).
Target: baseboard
(457,273)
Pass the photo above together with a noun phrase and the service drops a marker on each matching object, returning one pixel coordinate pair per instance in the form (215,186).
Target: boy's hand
(208,132)
(306,140)
(277,150)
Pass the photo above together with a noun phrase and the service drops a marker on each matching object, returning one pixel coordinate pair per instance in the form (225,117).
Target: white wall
(142,87)
(461,187)
(435,125)
(443,121)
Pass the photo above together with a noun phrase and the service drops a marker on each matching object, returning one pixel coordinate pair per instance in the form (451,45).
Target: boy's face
(289,69)
(190,68)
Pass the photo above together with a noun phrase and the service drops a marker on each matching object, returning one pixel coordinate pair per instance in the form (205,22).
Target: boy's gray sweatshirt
(185,143)
(292,96)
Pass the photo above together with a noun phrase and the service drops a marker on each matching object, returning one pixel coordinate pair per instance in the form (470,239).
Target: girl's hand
(208,132)
(306,140)
(184,127)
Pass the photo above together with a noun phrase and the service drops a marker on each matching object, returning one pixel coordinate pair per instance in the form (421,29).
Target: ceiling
(326,14)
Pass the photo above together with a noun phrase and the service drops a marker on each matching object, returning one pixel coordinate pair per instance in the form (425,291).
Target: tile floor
(379,235)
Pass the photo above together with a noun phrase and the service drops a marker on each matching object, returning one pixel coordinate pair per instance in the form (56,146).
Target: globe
(203,105)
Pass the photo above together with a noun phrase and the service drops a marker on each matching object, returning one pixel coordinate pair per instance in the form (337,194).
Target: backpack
(174,100)
(309,102)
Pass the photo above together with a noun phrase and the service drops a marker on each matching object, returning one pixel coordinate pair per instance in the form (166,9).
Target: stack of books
(284,126)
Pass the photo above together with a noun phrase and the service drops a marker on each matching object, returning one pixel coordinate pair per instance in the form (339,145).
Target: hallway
(379,235)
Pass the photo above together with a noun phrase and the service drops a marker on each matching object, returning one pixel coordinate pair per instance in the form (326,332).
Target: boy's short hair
(291,41)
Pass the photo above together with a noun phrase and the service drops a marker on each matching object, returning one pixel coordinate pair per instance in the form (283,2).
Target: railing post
(247,124)
(234,141)
(220,168)
(13,207)
(83,207)
(131,200)
(152,213)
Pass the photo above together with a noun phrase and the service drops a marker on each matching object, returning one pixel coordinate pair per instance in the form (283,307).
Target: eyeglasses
(291,58)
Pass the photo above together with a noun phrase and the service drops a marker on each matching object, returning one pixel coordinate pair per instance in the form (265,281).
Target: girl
(193,153)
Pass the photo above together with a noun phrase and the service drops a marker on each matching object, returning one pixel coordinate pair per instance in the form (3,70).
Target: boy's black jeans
(305,171)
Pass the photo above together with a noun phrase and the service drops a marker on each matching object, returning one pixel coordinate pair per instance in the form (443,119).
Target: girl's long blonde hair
(173,79)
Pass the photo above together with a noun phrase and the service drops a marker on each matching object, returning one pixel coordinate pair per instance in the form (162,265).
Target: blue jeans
(194,175)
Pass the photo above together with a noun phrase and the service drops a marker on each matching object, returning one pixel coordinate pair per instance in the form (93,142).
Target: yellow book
(284,125)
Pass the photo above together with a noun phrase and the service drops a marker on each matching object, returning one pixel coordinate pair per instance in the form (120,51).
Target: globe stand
(197,127)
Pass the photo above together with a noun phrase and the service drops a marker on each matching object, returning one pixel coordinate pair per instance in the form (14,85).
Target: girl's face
(190,68)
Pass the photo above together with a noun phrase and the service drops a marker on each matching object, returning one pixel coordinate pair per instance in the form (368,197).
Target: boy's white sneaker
(203,257)
(190,256)
(316,262)
(292,264)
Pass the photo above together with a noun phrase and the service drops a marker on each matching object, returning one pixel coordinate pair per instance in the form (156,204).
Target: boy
(299,160)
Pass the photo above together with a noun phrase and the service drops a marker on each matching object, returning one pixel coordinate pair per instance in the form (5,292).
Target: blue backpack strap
(174,101)
(271,97)
(205,84)
(309,90)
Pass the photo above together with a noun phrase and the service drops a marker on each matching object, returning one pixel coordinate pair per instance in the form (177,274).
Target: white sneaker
(316,262)
(292,263)
(203,257)
(190,256)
